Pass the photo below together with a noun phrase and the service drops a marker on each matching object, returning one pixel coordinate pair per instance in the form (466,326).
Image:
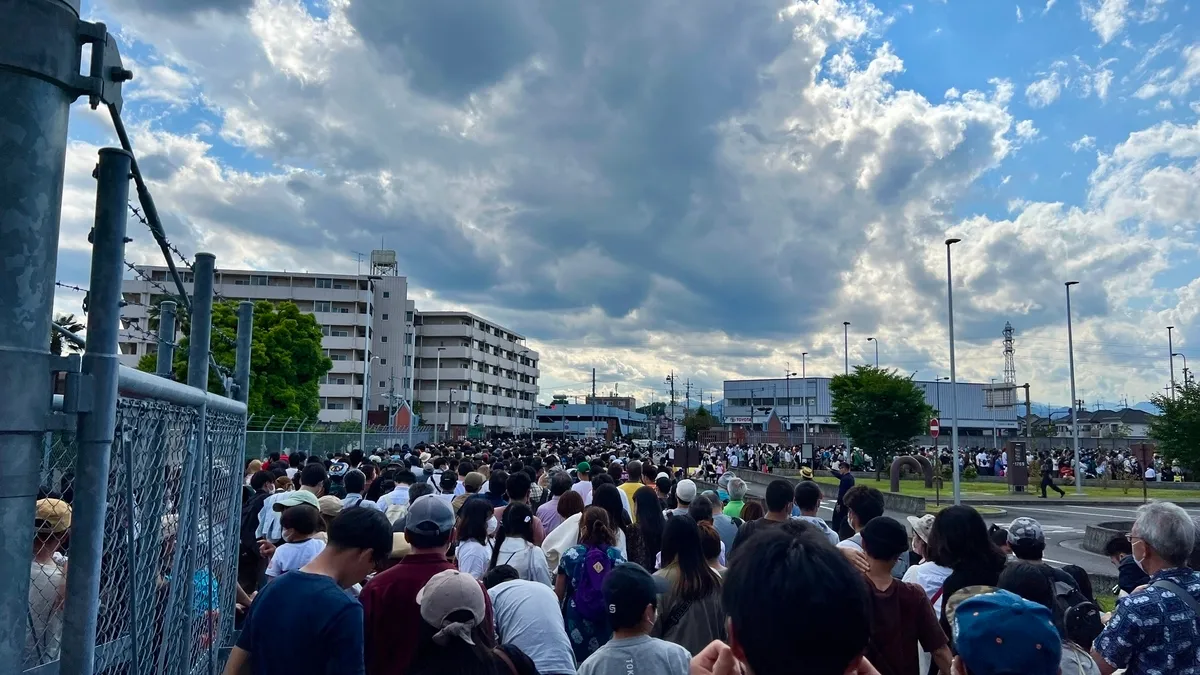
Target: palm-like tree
(69,323)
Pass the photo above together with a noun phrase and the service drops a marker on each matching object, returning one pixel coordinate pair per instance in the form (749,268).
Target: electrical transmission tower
(1010,365)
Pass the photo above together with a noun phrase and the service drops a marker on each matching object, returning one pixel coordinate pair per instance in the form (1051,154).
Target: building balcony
(430,352)
(339,342)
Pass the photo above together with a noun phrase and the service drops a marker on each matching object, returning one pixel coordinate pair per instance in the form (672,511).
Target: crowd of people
(502,558)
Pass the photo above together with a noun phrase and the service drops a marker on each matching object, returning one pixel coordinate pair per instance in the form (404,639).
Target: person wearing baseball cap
(392,615)
(685,492)
(583,475)
(47,581)
(999,633)
(1028,542)
(632,599)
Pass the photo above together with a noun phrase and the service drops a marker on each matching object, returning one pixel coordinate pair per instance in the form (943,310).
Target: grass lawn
(973,490)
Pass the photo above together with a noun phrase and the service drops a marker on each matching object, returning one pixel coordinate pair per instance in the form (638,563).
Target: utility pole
(594,401)
(687,394)
(1028,415)
(671,381)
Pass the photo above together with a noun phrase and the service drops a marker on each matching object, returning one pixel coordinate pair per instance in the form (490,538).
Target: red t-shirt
(392,617)
(901,617)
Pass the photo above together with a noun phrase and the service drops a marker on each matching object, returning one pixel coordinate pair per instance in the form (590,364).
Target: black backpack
(1078,617)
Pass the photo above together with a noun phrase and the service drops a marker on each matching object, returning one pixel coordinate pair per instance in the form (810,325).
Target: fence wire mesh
(169,562)
(262,443)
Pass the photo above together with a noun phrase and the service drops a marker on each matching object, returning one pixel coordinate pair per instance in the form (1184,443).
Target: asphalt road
(1064,527)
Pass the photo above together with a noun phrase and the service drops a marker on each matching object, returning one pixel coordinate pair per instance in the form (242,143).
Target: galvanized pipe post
(166,339)
(33,143)
(245,333)
(97,426)
(180,610)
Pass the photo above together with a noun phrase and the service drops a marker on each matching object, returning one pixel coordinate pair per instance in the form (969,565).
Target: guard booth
(1016,452)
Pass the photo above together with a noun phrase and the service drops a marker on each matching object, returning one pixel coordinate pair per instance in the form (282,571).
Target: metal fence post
(245,333)
(33,143)
(166,339)
(97,425)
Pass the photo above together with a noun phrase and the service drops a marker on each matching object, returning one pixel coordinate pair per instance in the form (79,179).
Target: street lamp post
(804,374)
(846,344)
(1171,351)
(366,402)
(1185,368)
(871,339)
(953,377)
(992,382)
(437,392)
(1074,404)
(787,377)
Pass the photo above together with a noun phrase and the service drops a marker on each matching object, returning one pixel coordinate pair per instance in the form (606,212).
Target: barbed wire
(175,250)
(70,287)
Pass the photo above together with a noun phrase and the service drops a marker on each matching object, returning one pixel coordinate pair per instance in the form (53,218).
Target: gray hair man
(737,498)
(1156,628)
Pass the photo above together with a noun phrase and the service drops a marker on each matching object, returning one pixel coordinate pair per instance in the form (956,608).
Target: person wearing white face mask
(1157,628)
(476,525)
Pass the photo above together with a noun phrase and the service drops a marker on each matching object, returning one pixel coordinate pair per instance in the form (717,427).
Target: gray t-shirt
(641,655)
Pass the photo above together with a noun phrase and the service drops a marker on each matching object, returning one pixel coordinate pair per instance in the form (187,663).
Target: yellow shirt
(629,488)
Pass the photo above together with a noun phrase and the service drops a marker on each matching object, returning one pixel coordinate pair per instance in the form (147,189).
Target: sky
(705,187)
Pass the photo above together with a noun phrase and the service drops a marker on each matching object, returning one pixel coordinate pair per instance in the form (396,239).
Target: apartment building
(372,330)
(470,371)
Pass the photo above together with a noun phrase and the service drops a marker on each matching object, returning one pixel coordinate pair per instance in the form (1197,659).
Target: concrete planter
(1099,534)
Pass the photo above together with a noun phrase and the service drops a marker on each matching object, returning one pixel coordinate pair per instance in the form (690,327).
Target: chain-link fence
(169,561)
(262,443)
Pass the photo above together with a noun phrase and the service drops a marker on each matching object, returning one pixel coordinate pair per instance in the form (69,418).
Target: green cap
(583,467)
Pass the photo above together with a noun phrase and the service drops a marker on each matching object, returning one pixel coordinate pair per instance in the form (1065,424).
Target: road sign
(934,427)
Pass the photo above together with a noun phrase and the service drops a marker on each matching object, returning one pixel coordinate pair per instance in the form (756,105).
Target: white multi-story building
(368,321)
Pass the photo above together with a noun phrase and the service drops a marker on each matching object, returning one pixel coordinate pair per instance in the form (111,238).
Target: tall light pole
(871,339)
(846,344)
(1074,405)
(992,382)
(804,374)
(953,376)
(366,401)
(1185,368)
(787,377)
(437,392)
(1171,350)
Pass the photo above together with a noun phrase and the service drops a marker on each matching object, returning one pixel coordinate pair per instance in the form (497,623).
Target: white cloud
(605,183)
(1020,18)
(1107,18)
(1045,91)
(1172,82)
(1085,142)
(1004,181)
(1101,81)
(1049,4)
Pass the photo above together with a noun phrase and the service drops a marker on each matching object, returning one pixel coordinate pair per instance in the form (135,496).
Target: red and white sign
(934,427)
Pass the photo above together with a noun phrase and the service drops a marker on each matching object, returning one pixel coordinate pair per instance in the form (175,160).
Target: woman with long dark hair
(580,579)
(959,540)
(514,545)
(474,546)
(690,612)
(650,523)
(608,497)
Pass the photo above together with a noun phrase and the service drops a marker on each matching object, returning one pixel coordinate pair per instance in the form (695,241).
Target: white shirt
(584,488)
(397,497)
(565,536)
(527,559)
(473,558)
(929,576)
(1150,473)
(43,630)
(290,557)
(268,519)
(820,524)
(851,544)
(291,472)
(527,615)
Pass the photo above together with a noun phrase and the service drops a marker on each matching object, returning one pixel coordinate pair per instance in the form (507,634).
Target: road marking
(1091,510)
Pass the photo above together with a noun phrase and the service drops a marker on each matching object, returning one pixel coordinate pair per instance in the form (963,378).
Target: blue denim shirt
(1153,632)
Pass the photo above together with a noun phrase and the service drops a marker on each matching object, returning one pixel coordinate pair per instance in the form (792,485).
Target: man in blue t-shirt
(311,607)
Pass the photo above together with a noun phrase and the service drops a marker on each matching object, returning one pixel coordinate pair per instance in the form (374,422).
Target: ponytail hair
(517,521)
(595,528)
(710,540)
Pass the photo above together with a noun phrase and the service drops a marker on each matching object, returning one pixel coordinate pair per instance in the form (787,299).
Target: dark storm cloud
(185,8)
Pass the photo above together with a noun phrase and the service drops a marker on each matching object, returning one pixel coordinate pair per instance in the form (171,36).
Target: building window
(326,331)
(324,403)
(383,362)
(324,283)
(405,381)
(383,339)
(338,332)
(258,281)
(321,306)
(381,383)
(408,361)
(385,317)
(387,294)
(408,338)
(408,316)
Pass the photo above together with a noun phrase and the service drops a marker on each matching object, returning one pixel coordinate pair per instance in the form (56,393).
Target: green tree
(695,422)
(1177,429)
(57,343)
(880,410)
(286,360)
(654,409)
